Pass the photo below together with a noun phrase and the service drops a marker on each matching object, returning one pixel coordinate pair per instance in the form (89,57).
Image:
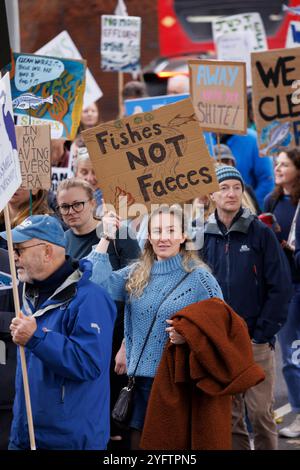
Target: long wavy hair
(39,206)
(140,276)
(294,156)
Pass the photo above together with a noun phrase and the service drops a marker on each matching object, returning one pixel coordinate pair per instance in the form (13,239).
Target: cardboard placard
(63,46)
(59,174)
(120,43)
(50,88)
(218,91)
(10,174)
(276,111)
(152,158)
(34,154)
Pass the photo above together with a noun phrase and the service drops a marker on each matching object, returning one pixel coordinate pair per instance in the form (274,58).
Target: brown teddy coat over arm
(190,401)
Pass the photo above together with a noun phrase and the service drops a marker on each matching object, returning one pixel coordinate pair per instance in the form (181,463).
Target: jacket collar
(63,294)
(242,223)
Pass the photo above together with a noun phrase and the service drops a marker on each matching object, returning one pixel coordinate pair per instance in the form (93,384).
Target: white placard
(63,46)
(120,43)
(237,36)
(10,173)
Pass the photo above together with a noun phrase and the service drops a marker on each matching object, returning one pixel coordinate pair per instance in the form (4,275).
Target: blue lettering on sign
(222,75)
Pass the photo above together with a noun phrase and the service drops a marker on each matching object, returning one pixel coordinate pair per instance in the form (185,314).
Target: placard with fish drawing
(152,158)
(218,90)
(48,88)
(276,113)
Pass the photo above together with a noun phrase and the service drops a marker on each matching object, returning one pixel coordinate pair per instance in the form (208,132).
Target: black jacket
(252,271)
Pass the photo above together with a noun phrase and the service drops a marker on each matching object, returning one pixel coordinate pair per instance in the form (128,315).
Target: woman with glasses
(76,204)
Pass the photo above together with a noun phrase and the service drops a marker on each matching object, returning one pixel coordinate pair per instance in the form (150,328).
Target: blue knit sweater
(199,285)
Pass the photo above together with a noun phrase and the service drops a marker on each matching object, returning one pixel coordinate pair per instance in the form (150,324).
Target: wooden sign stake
(17,310)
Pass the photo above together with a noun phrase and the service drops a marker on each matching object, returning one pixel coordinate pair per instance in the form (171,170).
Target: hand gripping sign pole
(17,310)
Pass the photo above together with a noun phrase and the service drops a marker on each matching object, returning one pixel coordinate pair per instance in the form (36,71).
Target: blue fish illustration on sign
(30,100)
(5,281)
(276,135)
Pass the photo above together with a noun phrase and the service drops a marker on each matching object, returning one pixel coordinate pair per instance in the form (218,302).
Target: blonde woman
(145,287)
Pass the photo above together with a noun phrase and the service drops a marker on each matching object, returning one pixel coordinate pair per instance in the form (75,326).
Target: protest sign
(143,105)
(48,88)
(10,174)
(56,128)
(63,46)
(59,174)
(152,158)
(218,91)
(276,112)
(236,36)
(120,43)
(34,154)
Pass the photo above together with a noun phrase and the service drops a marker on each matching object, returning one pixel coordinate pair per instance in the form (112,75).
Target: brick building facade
(42,20)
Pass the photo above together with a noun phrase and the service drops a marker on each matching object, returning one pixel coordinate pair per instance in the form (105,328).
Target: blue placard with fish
(144,105)
(48,89)
(276,99)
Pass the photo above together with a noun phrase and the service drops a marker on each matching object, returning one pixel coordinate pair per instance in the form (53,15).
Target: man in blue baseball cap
(66,327)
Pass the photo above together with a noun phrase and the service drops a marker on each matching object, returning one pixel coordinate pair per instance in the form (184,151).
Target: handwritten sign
(10,174)
(57,175)
(236,36)
(48,88)
(34,154)
(63,46)
(277,114)
(120,43)
(157,157)
(218,91)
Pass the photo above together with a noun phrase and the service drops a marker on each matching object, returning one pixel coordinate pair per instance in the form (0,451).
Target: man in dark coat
(251,269)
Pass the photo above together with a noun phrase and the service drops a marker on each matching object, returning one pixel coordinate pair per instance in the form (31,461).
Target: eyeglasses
(18,251)
(78,206)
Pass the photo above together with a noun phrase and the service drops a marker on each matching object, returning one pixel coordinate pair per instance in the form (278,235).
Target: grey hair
(82,156)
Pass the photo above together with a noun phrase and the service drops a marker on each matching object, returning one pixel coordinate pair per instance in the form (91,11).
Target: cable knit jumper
(199,285)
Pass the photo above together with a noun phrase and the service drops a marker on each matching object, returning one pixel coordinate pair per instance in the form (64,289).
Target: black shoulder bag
(122,410)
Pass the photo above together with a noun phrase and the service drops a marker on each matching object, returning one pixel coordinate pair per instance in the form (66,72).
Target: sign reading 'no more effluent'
(157,157)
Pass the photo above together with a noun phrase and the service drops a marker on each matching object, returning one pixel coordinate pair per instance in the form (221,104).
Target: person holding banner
(284,203)
(165,264)
(84,232)
(249,265)
(66,328)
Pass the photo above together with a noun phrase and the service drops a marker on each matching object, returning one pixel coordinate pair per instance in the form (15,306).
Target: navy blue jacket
(252,271)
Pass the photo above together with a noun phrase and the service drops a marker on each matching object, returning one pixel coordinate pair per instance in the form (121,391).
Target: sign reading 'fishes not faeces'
(152,158)
(218,91)
(276,111)
(34,154)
